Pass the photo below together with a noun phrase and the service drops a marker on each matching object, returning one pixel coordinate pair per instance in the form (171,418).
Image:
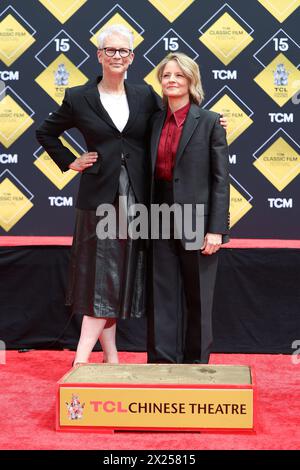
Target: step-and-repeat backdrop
(249,55)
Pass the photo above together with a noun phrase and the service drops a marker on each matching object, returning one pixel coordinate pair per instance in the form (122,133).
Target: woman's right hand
(85,161)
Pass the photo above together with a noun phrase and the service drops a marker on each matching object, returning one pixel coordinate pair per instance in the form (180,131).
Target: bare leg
(91,329)
(108,342)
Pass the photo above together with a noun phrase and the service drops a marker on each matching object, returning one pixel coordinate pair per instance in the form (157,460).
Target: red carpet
(28,384)
(67,241)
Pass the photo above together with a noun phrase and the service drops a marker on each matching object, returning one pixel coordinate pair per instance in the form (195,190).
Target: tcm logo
(60,201)
(9,75)
(225,74)
(108,406)
(8,158)
(279,203)
(281,117)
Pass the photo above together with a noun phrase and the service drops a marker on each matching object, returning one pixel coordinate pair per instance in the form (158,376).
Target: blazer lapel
(133,104)
(189,127)
(93,98)
(155,136)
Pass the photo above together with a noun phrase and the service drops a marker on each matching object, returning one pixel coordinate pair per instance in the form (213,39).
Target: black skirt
(107,276)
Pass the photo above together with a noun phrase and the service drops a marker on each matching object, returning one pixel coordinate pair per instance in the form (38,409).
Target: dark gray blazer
(201,173)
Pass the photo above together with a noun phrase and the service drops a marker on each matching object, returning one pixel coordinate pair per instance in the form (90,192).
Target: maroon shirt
(169,141)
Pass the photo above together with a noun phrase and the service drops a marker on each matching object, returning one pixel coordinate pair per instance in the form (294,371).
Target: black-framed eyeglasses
(111,51)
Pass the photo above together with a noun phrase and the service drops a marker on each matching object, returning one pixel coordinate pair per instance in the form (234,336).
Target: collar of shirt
(179,115)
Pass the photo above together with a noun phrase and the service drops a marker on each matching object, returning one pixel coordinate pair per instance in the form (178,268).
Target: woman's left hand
(223,122)
(211,243)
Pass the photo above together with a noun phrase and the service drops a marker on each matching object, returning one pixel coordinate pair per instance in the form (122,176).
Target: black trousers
(181,298)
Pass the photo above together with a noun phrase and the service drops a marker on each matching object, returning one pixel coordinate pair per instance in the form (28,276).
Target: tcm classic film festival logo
(227,34)
(16,36)
(278,158)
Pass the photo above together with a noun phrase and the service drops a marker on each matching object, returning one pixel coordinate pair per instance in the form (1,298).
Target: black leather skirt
(107,276)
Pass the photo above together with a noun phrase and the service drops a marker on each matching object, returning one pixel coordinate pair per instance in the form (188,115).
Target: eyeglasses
(111,51)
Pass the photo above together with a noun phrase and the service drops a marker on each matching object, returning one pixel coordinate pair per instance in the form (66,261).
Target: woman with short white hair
(106,279)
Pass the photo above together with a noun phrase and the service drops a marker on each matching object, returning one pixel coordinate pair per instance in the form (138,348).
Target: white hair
(115,29)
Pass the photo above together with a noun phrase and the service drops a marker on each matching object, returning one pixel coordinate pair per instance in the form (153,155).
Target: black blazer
(82,108)
(201,173)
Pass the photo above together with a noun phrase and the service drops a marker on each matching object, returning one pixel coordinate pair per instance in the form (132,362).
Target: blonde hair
(190,70)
